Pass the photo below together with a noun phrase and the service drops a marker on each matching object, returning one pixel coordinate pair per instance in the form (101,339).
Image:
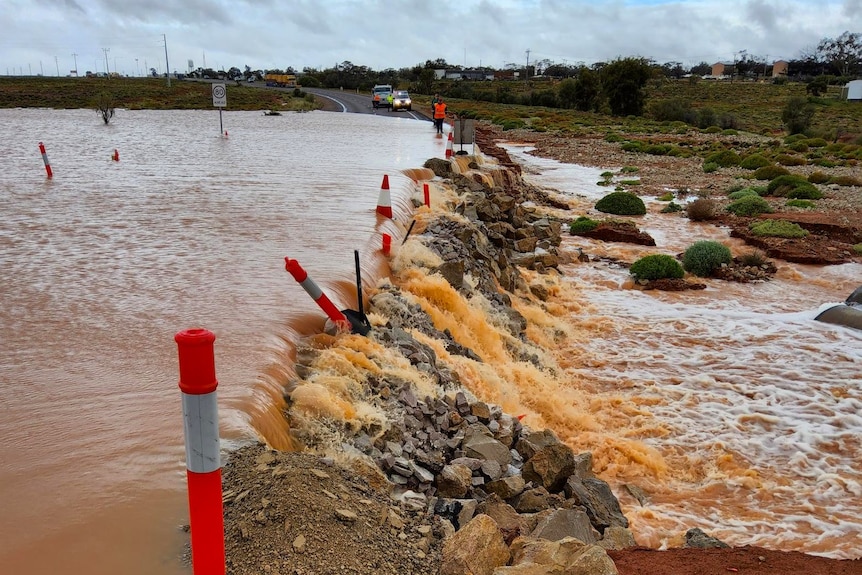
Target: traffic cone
(449,146)
(384,200)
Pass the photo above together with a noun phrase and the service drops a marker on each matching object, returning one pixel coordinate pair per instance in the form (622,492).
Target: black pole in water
(358,281)
(410,229)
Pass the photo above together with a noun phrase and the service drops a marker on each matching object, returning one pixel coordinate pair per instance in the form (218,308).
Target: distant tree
(844,53)
(797,115)
(623,82)
(424,85)
(701,69)
(587,90)
(672,70)
(105,106)
(438,64)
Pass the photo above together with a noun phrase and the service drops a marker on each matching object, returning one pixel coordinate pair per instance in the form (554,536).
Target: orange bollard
(48,169)
(116,155)
(387,244)
(384,200)
(312,289)
(203,458)
(449,142)
(427,194)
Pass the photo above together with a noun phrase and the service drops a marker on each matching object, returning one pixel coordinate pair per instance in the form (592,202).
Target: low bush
(857,249)
(754,161)
(770,172)
(793,186)
(816,142)
(704,257)
(621,204)
(749,206)
(666,197)
(656,267)
(745,192)
(671,208)
(845,181)
(777,229)
(788,160)
(582,224)
(632,146)
(818,178)
(630,182)
(700,210)
(798,146)
(805,204)
(630,169)
(613,138)
(753,259)
(710,167)
(712,130)
(724,158)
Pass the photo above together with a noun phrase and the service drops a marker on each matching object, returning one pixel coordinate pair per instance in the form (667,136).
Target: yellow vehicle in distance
(280,80)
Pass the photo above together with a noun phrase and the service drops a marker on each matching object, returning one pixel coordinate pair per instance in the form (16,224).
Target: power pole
(527,71)
(57,63)
(167,66)
(75,56)
(106,50)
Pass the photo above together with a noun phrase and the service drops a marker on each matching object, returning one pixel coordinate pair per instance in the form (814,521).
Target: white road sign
(219,96)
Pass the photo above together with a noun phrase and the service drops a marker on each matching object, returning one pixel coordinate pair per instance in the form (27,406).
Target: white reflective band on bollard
(200,418)
(311,289)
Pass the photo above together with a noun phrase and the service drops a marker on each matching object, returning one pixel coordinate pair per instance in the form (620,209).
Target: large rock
(481,446)
(478,548)
(530,444)
(564,557)
(454,481)
(550,467)
(507,487)
(562,523)
(596,497)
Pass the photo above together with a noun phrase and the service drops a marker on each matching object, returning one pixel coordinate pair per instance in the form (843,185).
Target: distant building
(720,69)
(462,75)
(779,68)
(852,91)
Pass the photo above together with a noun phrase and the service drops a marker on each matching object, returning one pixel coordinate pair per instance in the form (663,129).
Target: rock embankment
(467,487)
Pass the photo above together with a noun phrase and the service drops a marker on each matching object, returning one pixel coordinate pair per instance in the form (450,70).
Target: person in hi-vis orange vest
(439,115)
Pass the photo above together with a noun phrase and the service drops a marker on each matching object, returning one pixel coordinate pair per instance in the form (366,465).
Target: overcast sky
(41,36)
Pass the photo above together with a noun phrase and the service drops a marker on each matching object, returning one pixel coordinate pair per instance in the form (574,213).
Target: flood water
(104,263)
(730,407)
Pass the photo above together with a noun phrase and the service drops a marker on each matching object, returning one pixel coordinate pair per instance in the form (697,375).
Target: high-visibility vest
(439,110)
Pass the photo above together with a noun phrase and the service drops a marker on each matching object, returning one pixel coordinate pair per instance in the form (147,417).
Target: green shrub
(700,210)
(788,160)
(753,259)
(777,229)
(632,146)
(797,115)
(712,130)
(816,142)
(630,169)
(630,182)
(704,257)
(748,206)
(582,224)
(656,267)
(845,181)
(657,149)
(818,178)
(671,208)
(783,185)
(724,158)
(613,138)
(666,197)
(753,161)
(798,147)
(826,163)
(710,167)
(805,192)
(743,193)
(770,172)
(806,204)
(621,204)
(729,132)
(857,249)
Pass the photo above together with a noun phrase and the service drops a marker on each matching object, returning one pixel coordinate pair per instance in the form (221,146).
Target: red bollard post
(203,459)
(387,244)
(312,289)
(116,155)
(427,195)
(48,169)
(384,200)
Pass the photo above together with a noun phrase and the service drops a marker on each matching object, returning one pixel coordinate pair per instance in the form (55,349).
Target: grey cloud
(852,8)
(763,13)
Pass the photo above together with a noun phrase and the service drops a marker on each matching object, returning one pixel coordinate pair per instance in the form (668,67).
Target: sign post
(219,101)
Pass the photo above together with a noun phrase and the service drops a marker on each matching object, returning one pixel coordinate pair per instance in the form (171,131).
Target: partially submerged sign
(219,96)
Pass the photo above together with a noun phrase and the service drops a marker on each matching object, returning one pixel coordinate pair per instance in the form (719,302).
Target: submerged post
(45,160)
(203,461)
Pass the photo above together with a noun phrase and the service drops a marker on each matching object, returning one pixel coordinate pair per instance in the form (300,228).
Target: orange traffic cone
(384,200)
(449,146)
